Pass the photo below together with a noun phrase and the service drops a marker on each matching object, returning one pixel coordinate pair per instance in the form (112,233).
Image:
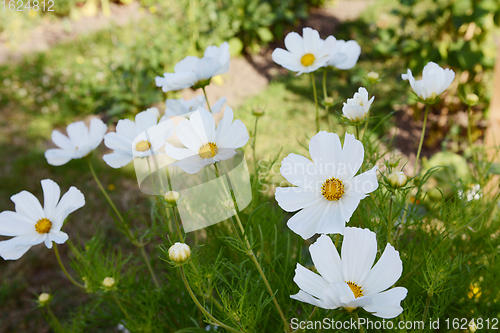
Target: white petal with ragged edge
(15,224)
(199,129)
(97,130)
(359,249)
(352,51)
(78,133)
(326,259)
(178,153)
(143,121)
(325,150)
(331,221)
(311,40)
(219,105)
(70,201)
(310,282)
(300,171)
(62,141)
(118,159)
(59,237)
(387,304)
(117,141)
(302,296)
(51,195)
(363,183)
(125,128)
(294,43)
(57,157)
(188,64)
(28,205)
(385,273)
(189,136)
(16,247)
(292,199)
(305,222)
(286,60)
(207,67)
(352,157)
(236,136)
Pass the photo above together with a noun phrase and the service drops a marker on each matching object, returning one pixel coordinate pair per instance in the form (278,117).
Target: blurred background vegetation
(110,73)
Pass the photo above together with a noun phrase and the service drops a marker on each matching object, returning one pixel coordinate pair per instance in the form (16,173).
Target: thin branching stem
(389,222)
(59,261)
(202,309)
(206,98)
(417,158)
(122,309)
(57,324)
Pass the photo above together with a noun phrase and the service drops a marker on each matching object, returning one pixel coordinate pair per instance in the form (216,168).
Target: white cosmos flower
(191,71)
(345,55)
(205,144)
(155,111)
(80,141)
(31,224)
(351,281)
(327,191)
(304,54)
(178,107)
(435,80)
(356,108)
(141,138)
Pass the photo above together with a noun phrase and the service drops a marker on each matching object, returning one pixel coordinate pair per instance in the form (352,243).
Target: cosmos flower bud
(258,112)
(228,204)
(373,77)
(108,282)
(171,197)
(397,179)
(328,101)
(44,299)
(392,162)
(471,99)
(179,252)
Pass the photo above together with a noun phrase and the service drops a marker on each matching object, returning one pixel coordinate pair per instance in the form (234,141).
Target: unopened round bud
(44,298)
(258,111)
(471,99)
(397,179)
(229,204)
(392,162)
(179,252)
(373,77)
(108,282)
(171,197)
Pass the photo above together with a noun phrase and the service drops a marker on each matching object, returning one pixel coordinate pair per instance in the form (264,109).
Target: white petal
(331,221)
(385,273)
(59,157)
(363,183)
(193,164)
(326,151)
(287,60)
(14,224)
(351,50)
(177,81)
(294,43)
(302,296)
(352,157)
(224,154)
(387,304)
(310,282)
(78,133)
(143,121)
(117,141)
(219,105)
(59,237)
(51,195)
(188,64)
(300,171)
(96,132)
(305,222)
(62,141)
(189,136)
(118,159)
(178,153)
(235,137)
(125,128)
(358,254)
(326,259)
(292,199)
(311,40)
(70,201)
(348,204)
(28,205)
(16,247)
(204,123)
(207,68)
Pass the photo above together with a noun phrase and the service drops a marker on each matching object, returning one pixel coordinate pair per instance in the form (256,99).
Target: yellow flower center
(356,290)
(208,151)
(307,59)
(43,226)
(332,189)
(142,146)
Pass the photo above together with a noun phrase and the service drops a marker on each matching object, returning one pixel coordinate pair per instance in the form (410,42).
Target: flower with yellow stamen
(350,281)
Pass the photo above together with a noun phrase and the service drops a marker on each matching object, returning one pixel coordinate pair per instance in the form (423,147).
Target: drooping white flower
(344,55)
(356,108)
(193,71)
(205,144)
(31,224)
(179,107)
(327,191)
(141,138)
(80,141)
(304,54)
(351,281)
(435,80)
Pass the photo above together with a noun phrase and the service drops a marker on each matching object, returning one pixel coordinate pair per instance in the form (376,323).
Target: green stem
(417,159)
(117,301)
(357,132)
(471,143)
(315,101)
(57,324)
(426,309)
(389,223)
(202,309)
(146,260)
(361,329)
(325,96)
(254,142)
(120,217)
(58,257)
(206,98)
